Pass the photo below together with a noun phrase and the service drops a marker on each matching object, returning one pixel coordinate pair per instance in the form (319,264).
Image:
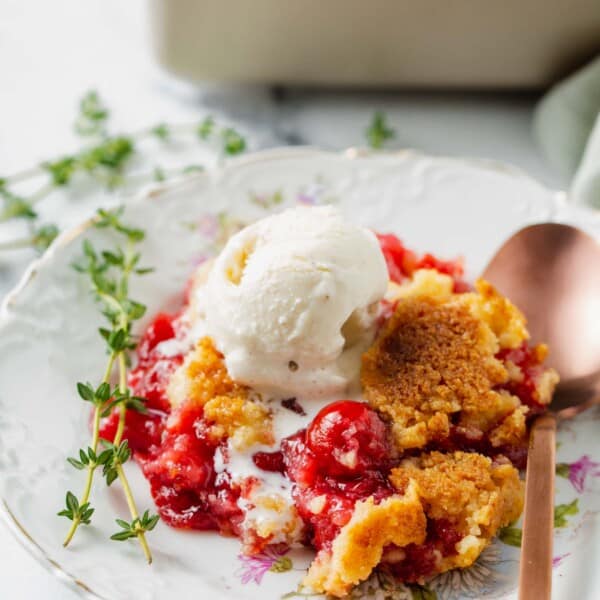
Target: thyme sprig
(93,115)
(39,239)
(104,160)
(109,273)
(379,132)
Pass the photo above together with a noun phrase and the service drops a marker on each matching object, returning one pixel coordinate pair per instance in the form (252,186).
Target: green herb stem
(110,300)
(33,199)
(16,244)
(109,367)
(41,193)
(41,239)
(123,324)
(379,132)
(85,496)
(122,408)
(160,174)
(91,467)
(25,175)
(181,129)
(176,128)
(134,512)
(142,134)
(120,471)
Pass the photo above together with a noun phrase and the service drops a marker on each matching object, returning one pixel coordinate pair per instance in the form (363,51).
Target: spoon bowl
(552,273)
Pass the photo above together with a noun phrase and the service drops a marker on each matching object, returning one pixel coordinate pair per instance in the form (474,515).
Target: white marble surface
(51,52)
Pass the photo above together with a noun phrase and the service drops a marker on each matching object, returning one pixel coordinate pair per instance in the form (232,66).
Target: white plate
(48,342)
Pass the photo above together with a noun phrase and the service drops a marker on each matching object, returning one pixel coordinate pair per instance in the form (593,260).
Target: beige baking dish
(416,43)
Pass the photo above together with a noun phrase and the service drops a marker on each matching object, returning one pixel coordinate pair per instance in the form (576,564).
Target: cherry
(445,533)
(269,461)
(348,438)
(400,261)
(300,463)
(422,560)
(160,329)
(142,431)
(526,358)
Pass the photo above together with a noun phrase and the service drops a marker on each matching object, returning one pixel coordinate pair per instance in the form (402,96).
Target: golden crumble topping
(467,489)
(505,320)
(510,430)
(358,548)
(424,282)
(243,421)
(203,379)
(276,522)
(203,376)
(434,363)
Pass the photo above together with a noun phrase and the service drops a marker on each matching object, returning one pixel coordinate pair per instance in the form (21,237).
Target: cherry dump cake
(329,388)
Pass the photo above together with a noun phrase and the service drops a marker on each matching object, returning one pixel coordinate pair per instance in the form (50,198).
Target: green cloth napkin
(567,125)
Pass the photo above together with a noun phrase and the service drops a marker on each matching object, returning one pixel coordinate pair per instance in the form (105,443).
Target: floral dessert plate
(48,341)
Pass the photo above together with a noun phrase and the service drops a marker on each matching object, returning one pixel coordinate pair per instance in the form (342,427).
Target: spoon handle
(535,577)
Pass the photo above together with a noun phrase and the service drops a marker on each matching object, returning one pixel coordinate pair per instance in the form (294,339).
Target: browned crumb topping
(228,407)
(505,320)
(434,366)
(467,489)
(431,361)
(358,548)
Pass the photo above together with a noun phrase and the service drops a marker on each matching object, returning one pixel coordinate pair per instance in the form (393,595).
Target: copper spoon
(552,273)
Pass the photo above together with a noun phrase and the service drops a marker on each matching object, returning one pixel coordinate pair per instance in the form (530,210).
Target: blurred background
(100,97)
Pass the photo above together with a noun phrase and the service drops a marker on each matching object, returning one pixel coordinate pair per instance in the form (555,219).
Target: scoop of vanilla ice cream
(291,301)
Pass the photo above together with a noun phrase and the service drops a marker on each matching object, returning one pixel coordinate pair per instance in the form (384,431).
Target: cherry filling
(329,485)
(528,360)
(418,561)
(271,462)
(344,456)
(348,438)
(148,380)
(188,492)
(171,446)
(402,263)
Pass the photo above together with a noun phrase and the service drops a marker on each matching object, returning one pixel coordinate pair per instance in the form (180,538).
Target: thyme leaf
(379,132)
